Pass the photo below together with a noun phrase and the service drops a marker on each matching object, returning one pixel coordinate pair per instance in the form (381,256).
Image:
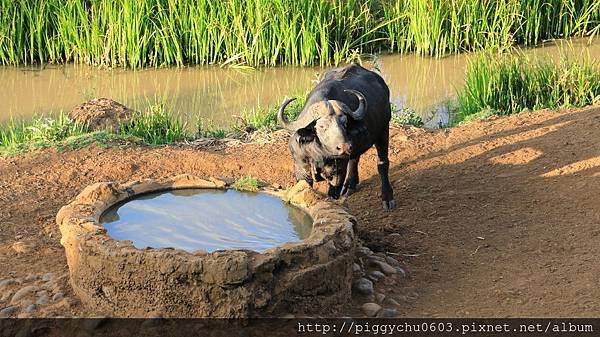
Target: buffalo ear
(306,135)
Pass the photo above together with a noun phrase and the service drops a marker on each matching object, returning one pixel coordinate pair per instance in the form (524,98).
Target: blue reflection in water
(194,219)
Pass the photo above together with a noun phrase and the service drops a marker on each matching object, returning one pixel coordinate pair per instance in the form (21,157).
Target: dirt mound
(101,114)
(494,218)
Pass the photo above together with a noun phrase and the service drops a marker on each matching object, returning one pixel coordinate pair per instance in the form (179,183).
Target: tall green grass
(504,84)
(136,33)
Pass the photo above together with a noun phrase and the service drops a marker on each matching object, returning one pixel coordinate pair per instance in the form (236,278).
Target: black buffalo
(346,113)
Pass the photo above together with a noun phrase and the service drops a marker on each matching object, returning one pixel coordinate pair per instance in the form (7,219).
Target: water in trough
(204,219)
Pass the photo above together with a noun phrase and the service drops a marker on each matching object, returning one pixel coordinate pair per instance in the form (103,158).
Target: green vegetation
(247,183)
(155,126)
(509,83)
(135,33)
(406,116)
(266,118)
(17,137)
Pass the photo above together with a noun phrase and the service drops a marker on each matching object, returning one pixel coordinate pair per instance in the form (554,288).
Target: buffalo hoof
(348,191)
(389,204)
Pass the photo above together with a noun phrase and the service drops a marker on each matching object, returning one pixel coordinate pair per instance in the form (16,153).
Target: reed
(135,34)
(510,83)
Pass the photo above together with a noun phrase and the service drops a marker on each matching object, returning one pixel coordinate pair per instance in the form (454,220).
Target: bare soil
(496,218)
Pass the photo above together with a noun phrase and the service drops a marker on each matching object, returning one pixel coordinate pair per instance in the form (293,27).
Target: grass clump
(40,132)
(506,84)
(247,183)
(406,116)
(155,126)
(266,118)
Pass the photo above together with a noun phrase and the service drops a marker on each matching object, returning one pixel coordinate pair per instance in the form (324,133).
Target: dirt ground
(497,218)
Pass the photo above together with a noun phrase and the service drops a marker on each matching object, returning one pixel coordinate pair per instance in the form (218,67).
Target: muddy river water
(423,84)
(201,219)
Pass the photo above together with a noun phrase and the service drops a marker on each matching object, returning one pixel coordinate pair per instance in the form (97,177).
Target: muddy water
(420,83)
(200,219)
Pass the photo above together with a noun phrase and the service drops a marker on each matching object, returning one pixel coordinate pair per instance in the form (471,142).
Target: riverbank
(476,204)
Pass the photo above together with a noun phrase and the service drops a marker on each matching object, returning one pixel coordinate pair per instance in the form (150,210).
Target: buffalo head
(326,123)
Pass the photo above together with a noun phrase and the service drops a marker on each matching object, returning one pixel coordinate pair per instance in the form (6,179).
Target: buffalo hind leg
(352,178)
(383,167)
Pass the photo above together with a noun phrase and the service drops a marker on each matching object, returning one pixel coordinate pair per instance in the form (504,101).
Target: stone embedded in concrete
(307,277)
(370,309)
(363,286)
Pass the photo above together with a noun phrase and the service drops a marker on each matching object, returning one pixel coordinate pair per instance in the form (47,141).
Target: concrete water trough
(126,277)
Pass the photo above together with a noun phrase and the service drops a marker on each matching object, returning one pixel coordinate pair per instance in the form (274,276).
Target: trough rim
(79,221)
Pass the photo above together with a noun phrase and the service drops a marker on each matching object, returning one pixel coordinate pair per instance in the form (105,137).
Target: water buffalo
(346,113)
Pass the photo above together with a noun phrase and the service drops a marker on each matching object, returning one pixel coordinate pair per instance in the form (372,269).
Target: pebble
(379,297)
(30,308)
(370,309)
(356,268)
(390,302)
(363,286)
(376,275)
(363,251)
(8,311)
(388,313)
(392,262)
(42,300)
(31,278)
(375,259)
(401,271)
(48,277)
(58,296)
(386,268)
(6,295)
(23,292)
(7,282)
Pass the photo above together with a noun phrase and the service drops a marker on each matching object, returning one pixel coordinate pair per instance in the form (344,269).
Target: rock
(356,268)
(30,308)
(58,296)
(31,278)
(7,282)
(42,300)
(101,114)
(401,271)
(390,302)
(376,275)
(21,247)
(363,286)
(363,251)
(6,295)
(302,194)
(388,313)
(375,258)
(379,297)
(23,292)
(386,268)
(392,262)
(370,309)
(6,312)
(48,277)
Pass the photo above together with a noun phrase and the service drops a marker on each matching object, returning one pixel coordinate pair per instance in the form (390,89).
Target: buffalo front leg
(352,178)
(383,167)
(336,184)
